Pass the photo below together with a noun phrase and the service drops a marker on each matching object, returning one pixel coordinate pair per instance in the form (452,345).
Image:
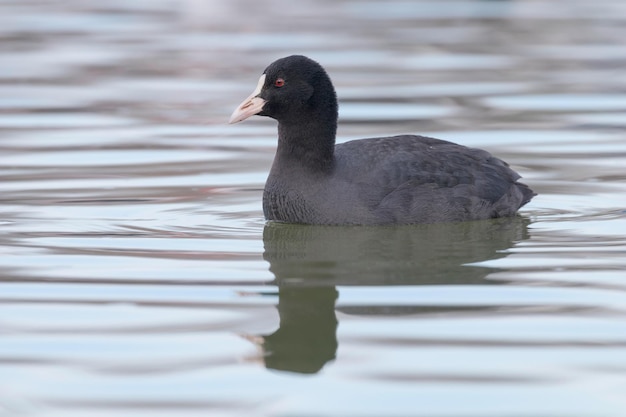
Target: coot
(389,180)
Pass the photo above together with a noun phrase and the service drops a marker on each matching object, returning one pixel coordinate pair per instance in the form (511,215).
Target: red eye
(279,82)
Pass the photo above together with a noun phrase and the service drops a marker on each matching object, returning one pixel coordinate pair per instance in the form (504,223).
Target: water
(138,276)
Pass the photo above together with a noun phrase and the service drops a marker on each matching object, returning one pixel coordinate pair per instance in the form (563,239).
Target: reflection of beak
(251,105)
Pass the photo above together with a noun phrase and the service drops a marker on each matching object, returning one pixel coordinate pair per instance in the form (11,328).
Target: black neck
(309,143)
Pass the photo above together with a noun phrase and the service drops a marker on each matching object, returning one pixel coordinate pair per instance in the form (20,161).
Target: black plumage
(391,180)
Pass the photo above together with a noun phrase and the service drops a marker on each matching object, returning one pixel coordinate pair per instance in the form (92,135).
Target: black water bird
(389,180)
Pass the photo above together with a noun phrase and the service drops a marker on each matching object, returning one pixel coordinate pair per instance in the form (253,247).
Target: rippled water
(138,276)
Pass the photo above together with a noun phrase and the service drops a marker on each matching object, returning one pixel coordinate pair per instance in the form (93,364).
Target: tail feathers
(527,193)
(518,195)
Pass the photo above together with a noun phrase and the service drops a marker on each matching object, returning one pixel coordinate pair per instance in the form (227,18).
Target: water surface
(138,276)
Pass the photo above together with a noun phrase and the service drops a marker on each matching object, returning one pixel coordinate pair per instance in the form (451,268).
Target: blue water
(138,276)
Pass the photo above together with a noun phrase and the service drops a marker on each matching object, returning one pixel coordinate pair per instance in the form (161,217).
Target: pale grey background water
(138,276)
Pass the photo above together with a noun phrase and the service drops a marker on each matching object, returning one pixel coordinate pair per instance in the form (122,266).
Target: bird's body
(390,180)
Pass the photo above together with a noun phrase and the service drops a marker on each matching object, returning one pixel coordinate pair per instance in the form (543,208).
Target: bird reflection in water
(309,262)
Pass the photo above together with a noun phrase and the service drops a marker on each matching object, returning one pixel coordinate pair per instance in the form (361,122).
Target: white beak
(251,105)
